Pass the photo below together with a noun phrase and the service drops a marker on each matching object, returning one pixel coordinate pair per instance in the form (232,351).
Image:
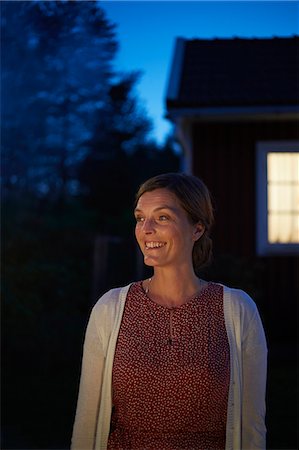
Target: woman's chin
(150,260)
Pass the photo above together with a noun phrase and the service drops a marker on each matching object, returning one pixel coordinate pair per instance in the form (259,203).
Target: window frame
(263,246)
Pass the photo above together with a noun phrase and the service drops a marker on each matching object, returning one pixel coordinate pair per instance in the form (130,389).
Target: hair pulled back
(195,199)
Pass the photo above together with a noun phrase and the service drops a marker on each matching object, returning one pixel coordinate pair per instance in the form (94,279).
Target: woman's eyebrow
(159,208)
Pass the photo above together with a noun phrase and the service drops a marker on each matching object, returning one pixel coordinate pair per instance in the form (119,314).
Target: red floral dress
(171,374)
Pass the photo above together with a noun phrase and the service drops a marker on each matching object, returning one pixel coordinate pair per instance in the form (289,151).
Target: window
(277,224)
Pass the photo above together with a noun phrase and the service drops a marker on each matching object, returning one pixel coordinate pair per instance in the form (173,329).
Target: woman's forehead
(158,198)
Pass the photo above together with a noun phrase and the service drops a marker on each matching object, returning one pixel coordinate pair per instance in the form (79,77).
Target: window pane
(283,228)
(283,167)
(283,197)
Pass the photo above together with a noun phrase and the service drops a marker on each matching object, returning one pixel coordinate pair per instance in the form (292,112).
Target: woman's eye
(139,219)
(163,218)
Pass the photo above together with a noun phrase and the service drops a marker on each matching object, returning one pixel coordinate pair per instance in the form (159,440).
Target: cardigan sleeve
(85,424)
(254,365)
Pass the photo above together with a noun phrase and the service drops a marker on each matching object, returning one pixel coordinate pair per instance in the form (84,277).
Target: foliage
(75,148)
(47,262)
(57,76)
(111,183)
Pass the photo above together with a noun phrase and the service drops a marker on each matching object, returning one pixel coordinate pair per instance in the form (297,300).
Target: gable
(234,72)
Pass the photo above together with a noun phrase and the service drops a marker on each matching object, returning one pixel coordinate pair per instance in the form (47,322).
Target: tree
(105,174)
(56,75)
(63,108)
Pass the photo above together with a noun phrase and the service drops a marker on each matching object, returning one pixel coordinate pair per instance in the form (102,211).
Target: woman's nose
(148,226)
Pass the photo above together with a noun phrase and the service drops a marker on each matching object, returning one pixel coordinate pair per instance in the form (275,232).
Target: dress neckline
(189,302)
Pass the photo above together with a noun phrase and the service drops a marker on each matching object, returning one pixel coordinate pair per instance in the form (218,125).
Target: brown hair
(195,199)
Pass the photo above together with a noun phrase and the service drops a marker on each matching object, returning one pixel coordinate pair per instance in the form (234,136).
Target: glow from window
(283,197)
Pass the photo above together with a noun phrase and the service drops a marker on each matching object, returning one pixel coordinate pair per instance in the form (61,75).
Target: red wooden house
(234,104)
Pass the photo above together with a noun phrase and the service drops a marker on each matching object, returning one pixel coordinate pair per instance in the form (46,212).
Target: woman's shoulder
(112,297)
(242,312)
(106,309)
(238,300)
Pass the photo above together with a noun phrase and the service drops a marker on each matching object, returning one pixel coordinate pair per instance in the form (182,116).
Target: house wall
(224,157)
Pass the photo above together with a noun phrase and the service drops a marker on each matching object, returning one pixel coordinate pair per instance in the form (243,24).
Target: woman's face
(163,231)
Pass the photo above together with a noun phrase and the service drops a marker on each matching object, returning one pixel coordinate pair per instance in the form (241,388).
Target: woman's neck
(173,288)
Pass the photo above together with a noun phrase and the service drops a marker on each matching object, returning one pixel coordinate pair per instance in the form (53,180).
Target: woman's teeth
(154,244)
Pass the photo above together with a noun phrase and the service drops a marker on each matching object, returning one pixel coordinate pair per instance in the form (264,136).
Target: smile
(153,244)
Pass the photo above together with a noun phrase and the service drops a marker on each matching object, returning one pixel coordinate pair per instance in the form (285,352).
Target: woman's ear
(199,231)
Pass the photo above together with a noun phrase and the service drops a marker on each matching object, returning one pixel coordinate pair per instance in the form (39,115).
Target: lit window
(277,198)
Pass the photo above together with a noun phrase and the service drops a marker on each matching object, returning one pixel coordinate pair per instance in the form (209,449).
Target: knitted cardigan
(245,428)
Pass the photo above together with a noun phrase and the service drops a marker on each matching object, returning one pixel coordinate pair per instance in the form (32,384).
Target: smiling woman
(188,205)
(173,361)
(164,233)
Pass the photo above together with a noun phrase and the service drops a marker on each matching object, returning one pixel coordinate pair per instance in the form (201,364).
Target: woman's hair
(195,199)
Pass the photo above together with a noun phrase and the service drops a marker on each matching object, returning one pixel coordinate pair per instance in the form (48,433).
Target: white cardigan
(245,428)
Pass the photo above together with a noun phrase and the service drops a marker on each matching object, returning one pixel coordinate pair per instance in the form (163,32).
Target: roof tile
(238,72)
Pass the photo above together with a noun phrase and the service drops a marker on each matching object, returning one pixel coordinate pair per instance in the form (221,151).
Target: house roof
(234,73)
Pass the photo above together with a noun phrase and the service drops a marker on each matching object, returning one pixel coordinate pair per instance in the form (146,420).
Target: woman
(173,362)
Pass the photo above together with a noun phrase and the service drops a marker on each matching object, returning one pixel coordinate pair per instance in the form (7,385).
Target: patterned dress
(171,374)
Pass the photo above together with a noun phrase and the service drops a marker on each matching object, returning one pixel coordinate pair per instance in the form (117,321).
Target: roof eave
(176,69)
(229,113)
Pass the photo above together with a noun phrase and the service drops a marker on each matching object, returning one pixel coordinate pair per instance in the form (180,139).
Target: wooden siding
(224,157)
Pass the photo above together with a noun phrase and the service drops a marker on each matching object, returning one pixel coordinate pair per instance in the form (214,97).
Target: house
(234,104)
